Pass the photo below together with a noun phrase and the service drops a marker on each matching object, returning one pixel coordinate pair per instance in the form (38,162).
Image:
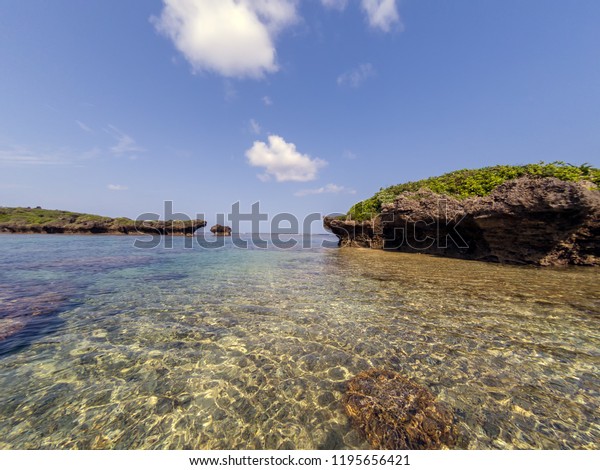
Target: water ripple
(226,349)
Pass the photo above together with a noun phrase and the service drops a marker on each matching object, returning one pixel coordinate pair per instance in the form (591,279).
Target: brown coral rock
(10,327)
(540,221)
(221,230)
(397,413)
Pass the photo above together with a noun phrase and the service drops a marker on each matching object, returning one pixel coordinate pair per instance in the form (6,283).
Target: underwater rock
(27,309)
(10,327)
(397,413)
(33,305)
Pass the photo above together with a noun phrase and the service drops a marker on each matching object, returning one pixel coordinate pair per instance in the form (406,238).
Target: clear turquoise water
(108,346)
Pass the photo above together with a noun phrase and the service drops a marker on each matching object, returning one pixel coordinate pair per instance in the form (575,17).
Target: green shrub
(39,217)
(467,183)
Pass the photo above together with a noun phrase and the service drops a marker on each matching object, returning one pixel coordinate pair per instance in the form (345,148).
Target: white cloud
(355,77)
(328,188)
(335,4)
(117,187)
(254,126)
(125,143)
(83,127)
(381,14)
(350,155)
(234,38)
(282,161)
(267,101)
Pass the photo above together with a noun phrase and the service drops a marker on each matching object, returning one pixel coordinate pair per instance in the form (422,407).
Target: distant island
(541,214)
(38,220)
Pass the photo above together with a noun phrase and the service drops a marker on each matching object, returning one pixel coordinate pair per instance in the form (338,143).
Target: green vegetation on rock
(480,182)
(39,216)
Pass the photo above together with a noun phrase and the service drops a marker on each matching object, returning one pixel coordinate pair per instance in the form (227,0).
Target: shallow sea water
(109,346)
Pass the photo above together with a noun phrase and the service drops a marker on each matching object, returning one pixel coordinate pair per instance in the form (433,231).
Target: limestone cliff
(540,221)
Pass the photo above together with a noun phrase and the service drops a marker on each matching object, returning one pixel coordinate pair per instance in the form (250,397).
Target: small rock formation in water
(396,413)
(541,221)
(221,230)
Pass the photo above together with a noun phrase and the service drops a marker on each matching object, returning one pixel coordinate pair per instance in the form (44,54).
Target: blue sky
(113,107)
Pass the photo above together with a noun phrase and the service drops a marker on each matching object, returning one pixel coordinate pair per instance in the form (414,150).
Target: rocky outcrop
(541,221)
(169,227)
(108,227)
(221,230)
(397,413)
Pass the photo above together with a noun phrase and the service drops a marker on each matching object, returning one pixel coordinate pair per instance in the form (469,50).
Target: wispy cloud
(16,155)
(243,44)
(335,4)
(229,91)
(381,14)
(350,155)
(267,101)
(9,186)
(83,126)
(357,76)
(125,143)
(21,155)
(281,160)
(327,189)
(91,154)
(117,187)
(254,126)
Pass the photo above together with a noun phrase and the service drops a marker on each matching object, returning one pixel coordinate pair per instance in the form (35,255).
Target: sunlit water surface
(232,348)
